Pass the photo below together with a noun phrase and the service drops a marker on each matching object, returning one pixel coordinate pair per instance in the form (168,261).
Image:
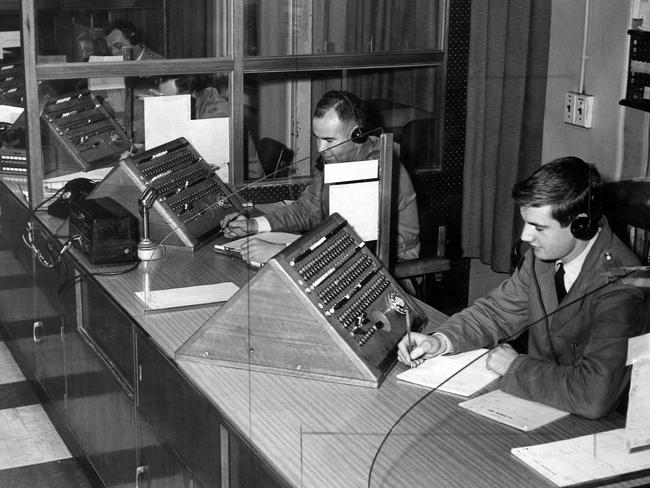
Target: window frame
(236,65)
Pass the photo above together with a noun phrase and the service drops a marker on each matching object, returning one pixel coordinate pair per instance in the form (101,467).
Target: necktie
(559,282)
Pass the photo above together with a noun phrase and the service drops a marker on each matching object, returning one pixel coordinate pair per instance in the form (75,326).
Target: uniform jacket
(312,207)
(147,55)
(589,330)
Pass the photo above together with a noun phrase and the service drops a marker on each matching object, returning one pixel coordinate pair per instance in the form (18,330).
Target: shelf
(638,104)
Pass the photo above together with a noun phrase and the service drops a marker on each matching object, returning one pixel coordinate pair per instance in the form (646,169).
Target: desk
(300,432)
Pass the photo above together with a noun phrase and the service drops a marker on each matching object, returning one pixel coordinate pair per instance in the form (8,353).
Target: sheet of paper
(637,423)
(583,459)
(358,203)
(516,412)
(351,171)
(9,114)
(58,182)
(437,373)
(188,296)
(106,83)
(9,39)
(638,348)
(169,117)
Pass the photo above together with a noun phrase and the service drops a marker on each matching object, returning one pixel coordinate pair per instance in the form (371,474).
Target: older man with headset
(338,126)
(578,321)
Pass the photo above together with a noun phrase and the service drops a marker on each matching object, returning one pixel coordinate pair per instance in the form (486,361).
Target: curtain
(393,25)
(507,69)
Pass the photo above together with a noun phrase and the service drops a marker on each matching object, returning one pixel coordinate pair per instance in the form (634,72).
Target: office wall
(618,140)
(615,143)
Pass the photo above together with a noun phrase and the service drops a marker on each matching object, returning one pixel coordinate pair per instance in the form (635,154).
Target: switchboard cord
(612,279)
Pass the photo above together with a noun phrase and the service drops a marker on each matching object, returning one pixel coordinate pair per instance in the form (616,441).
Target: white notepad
(437,373)
(233,248)
(516,412)
(187,296)
(583,459)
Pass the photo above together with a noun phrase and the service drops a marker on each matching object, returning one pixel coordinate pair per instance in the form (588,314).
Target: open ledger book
(461,374)
(233,248)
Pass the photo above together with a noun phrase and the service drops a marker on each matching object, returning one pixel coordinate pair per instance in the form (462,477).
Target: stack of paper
(583,459)
(637,424)
(187,296)
(516,412)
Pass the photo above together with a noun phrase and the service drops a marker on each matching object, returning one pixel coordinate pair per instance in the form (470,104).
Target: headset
(586,227)
(357,135)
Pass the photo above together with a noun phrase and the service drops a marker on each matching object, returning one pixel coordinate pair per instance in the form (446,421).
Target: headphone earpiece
(357,136)
(583,228)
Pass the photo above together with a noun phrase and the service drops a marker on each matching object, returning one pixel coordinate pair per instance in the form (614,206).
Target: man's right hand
(238,225)
(422,347)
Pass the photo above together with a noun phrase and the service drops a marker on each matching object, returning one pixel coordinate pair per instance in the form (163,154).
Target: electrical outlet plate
(584,110)
(579,109)
(569,107)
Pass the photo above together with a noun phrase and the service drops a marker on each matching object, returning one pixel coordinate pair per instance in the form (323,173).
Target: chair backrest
(627,207)
(275,157)
(388,189)
(417,144)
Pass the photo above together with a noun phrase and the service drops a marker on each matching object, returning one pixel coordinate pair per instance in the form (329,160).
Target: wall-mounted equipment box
(637,93)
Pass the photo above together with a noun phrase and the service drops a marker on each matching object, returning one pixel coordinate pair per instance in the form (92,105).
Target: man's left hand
(500,358)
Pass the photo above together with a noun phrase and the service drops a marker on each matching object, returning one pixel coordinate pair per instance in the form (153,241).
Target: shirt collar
(573,267)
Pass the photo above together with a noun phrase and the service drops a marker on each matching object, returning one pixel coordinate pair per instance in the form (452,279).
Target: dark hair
(571,186)
(127,28)
(198,83)
(348,107)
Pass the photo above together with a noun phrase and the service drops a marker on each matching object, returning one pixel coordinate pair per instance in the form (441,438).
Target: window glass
(278,114)
(93,122)
(80,31)
(340,26)
(13,156)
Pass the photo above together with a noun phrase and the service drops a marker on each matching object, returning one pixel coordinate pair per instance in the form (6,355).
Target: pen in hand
(230,231)
(408,338)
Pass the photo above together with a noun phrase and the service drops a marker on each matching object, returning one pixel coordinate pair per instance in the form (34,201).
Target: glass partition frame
(236,63)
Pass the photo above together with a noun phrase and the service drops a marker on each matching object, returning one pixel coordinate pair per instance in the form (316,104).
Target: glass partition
(90,124)
(278,111)
(13,125)
(287,27)
(71,31)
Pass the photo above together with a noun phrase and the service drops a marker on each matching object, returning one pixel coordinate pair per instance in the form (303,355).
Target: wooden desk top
(321,434)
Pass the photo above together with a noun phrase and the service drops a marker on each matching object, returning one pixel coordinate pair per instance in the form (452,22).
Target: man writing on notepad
(338,126)
(579,328)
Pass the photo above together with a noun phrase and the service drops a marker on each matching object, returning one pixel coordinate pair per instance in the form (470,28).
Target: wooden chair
(418,148)
(275,158)
(627,207)
(416,271)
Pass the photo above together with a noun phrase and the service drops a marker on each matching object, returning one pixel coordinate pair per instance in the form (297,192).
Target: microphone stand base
(150,251)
